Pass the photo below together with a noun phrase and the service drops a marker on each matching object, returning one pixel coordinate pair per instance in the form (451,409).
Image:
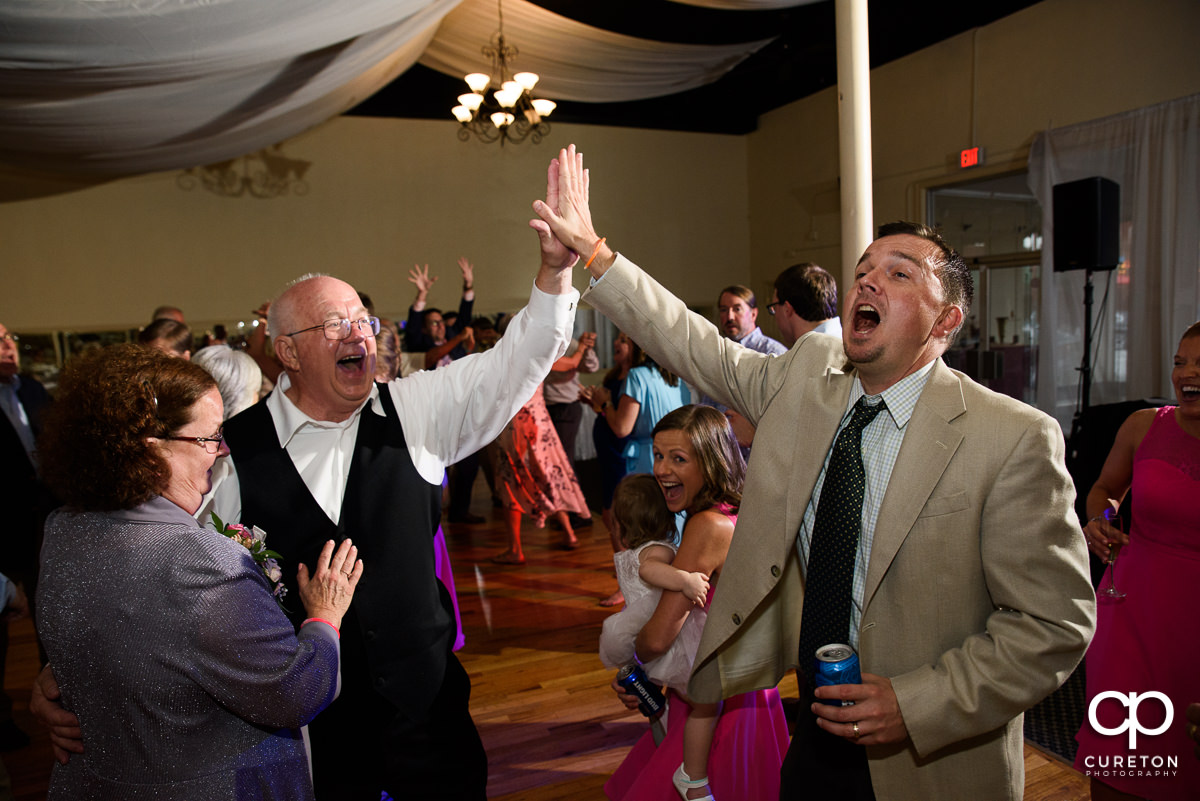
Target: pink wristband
(326,622)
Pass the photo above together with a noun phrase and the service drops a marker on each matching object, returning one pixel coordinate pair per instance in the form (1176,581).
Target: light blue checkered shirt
(881,441)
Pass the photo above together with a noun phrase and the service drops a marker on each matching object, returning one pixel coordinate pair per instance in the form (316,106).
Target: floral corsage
(254,540)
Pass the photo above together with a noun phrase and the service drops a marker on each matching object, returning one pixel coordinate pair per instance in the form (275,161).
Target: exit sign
(971,157)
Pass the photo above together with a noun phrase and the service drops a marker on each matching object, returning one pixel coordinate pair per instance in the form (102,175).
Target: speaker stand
(1087,341)
(1085,370)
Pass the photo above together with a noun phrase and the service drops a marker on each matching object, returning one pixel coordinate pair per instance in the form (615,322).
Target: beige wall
(699,210)
(1053,64)
(383,195)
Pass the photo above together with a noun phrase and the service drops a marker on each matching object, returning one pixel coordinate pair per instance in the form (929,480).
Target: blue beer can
(633,679)
(836,664)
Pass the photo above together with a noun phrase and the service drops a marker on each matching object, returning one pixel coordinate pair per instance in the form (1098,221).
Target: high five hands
(564,223)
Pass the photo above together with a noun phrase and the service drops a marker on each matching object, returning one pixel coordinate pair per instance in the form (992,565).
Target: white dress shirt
(446,413)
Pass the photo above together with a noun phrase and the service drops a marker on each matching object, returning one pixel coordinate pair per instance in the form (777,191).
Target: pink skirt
(748,747)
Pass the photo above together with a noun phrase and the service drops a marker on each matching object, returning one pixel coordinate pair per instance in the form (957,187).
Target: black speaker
(1087,216)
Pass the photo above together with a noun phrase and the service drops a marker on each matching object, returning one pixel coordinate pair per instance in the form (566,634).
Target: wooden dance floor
(551,726)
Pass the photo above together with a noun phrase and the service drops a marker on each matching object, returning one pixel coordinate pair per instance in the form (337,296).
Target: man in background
(737,309)
(805,299)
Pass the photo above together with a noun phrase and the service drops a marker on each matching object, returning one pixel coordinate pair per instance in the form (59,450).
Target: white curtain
(119,87)
(129,86)
(576,61)
(1153,154)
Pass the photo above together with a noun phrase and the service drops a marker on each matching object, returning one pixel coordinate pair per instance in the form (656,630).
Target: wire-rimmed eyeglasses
(340,329)
(211,444)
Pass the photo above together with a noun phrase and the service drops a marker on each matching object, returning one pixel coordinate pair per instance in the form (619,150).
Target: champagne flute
(1110,519)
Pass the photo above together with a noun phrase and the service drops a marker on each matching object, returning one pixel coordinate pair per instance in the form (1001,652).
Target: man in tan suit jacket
(977,600)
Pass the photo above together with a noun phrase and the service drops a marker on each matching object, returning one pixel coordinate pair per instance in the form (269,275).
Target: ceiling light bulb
(461,113)
(543,107)
(500,119)
(507,97)
(478,81)
(471,100)
(527,80)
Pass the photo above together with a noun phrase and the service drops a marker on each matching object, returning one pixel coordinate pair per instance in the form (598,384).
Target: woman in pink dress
(1146,642)
(535,478)
(699,468)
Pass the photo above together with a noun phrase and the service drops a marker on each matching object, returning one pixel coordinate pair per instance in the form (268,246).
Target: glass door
(995,223)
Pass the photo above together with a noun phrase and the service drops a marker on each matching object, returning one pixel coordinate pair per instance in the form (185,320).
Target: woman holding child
(729,751)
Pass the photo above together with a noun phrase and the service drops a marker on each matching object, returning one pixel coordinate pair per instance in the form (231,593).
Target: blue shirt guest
(199,684)
(737,309)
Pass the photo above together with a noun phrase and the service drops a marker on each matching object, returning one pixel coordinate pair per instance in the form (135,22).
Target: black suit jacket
(23,497)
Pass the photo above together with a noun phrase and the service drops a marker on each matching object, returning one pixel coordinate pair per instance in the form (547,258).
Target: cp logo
(1132,724)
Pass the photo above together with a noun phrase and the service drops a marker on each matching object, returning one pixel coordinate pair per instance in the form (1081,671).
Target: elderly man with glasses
(332,454)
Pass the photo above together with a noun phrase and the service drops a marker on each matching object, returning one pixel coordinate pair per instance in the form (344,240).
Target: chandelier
(264,174)
(507,112)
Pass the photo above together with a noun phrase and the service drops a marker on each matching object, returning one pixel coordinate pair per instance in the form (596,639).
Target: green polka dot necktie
(829,576)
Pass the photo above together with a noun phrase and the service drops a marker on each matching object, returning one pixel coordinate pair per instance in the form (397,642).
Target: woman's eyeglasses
(211,444)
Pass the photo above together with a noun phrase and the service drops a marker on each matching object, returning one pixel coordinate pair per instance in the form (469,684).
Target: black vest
(400,626)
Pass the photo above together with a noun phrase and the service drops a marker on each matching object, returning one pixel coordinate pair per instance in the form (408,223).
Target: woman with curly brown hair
(165,638)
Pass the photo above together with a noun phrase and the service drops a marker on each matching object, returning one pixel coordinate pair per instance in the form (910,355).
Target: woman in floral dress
(535,478)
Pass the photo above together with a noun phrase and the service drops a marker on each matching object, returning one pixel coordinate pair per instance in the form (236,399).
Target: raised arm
(468,278)
(419,276)
(567,213)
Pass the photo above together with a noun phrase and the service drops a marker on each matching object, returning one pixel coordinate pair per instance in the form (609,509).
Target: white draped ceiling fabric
(120,87)
(576,61)
(133,86)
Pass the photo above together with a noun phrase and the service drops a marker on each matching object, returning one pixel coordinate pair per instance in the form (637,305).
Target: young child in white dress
(646,527)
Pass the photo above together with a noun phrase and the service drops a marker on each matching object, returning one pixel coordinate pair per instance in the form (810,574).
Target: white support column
(854,138)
